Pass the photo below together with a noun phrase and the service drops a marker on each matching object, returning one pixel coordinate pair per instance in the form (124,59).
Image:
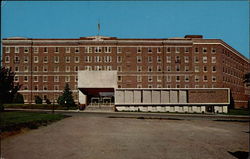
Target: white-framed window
(88,59)
(159,68)
(177,50)
(204,68)
(107,59)
(45,68)
(45,87)
(67,49)
(150,86)
(36,68)
(25,59)
(204,50)
(186,68)
(213,59)
(67,59)
(119,78)
(139,50)
(139,78)
(45,59)
(119,59)
(25,78)
(186,59)
(77,59)
(109,68)
(196,59)
(213,68)
(107,49)
(150,79)
(56,69)
(56,87)
(159,78)
(16,79)
(88,68)
(177,59)
(56,59)
(168,68)
(56,49)
(77,50)
(119,50)
(168,50)
(16,49)
(36,87)
(196,50)
(36,59)
(76,68)
(186,85)
(177,68)
(7,59)
(25,87)
(45,49)
(159,86)
(205,78)
(150,68)
(196,69)
(213,50)
(98,59)
(98,49)
(16,59)
(213,78)
(45,78)
(204,59)
(139,68)
(177,78)
(76,78)
(26,50)
(67,78)
(67,69)
(169,78)
(56,78)
(36,79)
(158,59)
(119,68)
(150,50)
(139,86)
(186,78)
(168,59)
(196,78)
(98,68)
(150,59)
(158,50)
(36,49)
(186,49)
(177,86)
(26,68)
(7,49)
(139,59)
(197,86)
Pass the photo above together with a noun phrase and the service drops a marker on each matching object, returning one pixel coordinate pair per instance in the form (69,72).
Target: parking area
(95,137)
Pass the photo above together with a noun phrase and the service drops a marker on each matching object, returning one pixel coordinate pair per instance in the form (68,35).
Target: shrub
(18,98)
(38,100)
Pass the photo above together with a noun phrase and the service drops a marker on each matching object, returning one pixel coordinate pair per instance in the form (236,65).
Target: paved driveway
(95,137)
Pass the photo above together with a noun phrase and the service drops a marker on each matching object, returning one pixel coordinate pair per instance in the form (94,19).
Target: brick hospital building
(43,66)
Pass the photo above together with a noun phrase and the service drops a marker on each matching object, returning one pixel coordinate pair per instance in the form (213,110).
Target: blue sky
(228,21)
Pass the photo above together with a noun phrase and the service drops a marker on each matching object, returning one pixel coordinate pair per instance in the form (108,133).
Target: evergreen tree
(18,98)
(8,88)
(66,99)
(38,100)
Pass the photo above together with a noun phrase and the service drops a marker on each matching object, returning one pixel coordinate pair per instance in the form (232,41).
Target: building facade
(43,66)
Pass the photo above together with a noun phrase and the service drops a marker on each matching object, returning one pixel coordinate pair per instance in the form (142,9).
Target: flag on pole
(99,26)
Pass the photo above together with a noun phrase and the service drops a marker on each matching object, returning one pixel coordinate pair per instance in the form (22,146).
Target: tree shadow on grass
(240,154)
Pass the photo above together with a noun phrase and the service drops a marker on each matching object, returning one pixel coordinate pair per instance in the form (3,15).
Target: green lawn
(238,112)
(14,120)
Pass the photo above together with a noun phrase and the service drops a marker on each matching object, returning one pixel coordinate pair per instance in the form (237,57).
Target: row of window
(170,86)
(108,59)
(45,78)
(108,49)
(177,78)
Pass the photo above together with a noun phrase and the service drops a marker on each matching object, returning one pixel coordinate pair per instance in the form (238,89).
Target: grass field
(15,120)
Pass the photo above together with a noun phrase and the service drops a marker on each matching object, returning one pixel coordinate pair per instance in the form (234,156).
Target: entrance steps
(99,108)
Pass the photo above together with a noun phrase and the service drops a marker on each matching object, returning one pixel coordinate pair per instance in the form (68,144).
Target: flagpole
(99,27)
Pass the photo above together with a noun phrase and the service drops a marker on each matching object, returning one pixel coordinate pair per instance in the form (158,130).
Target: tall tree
(66,99)
(8,88)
